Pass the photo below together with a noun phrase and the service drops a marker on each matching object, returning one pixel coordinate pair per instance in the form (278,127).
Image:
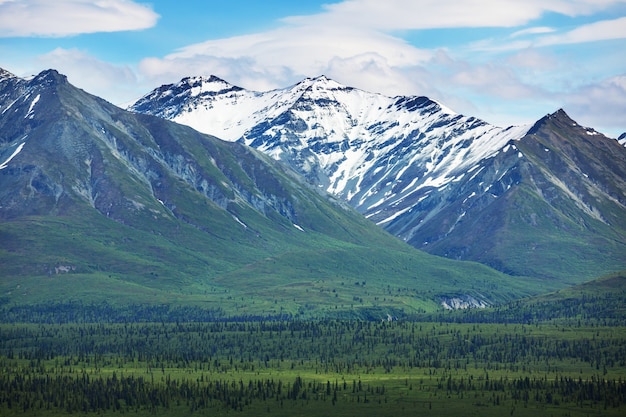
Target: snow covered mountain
(443,182)
(381,154)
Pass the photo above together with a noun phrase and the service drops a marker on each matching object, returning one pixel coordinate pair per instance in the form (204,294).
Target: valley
(151,269)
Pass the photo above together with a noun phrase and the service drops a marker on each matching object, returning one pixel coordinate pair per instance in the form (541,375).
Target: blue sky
(505,61)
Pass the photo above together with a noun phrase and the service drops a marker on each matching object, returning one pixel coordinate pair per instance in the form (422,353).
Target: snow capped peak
(50,76)
(364,147)
(445,109)
(322,81)
(316,85)
(320,78)
(215,79)
(201,85)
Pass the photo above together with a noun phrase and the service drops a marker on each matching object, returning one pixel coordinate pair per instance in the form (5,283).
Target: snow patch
(476,173)
(298,227)
(10,105)
(473,194)
(394,216)
(13,155)
(245,226)
(32,105)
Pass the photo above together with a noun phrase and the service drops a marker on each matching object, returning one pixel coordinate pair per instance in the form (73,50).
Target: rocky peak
(50,77)
(412,103)
(321,84)
(4,74)
(202,85)
(557,116)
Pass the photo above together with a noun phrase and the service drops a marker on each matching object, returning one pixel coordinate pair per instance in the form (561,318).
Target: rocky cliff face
(60,144)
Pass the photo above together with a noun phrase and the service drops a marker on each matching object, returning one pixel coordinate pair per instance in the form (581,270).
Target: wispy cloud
(86,71)
(437,14)
(597,31)
(532,31)
(58,18)
(289,53)
(600,104)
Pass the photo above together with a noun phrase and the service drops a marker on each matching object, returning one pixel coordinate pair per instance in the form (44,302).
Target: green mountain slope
(101,205)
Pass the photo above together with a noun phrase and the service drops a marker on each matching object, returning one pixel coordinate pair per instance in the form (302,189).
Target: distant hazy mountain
(100,204)
(546,200)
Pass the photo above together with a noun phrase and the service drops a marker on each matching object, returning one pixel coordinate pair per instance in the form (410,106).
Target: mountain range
(545,200)
(101,205)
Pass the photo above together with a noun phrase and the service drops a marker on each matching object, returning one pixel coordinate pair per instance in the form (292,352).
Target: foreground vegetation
(304,275)
(561,354)
(312,368)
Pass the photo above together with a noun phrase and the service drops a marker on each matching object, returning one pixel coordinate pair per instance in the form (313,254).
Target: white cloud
(534,37)
(351,41)
(494,80)
(600,104)
(597,31)
(289,53)
(299,45)
(358,43)
(532,31)
(87,72)
(23,18)
(534,59)
(426,14)
(430,14)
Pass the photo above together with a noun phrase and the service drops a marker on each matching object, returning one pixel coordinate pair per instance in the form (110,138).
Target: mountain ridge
(425,173)
(102,205)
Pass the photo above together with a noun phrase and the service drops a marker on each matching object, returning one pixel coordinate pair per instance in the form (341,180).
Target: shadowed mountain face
(544,200)
(97,203)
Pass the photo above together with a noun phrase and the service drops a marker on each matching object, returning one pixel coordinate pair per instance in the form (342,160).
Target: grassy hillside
(91,259)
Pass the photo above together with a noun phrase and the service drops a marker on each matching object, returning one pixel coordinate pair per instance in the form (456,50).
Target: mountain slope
(551,204)
(449,184)
(99,204)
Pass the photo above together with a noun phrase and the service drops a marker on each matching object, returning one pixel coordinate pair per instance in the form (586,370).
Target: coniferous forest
(558,364)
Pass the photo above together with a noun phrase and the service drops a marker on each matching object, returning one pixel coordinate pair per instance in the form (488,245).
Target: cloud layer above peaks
(57,18)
